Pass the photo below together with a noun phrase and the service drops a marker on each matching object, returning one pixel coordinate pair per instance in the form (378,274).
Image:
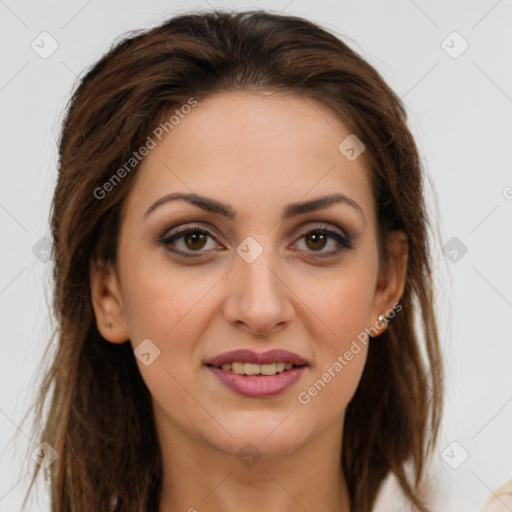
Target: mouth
(258,385)
(257,375)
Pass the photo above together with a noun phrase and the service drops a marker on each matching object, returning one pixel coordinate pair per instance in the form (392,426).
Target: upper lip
(249,356)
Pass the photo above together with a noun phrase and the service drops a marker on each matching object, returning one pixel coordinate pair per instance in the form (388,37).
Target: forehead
(252,149)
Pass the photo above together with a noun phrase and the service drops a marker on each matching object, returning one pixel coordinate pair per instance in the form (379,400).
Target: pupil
(318,241)
(195,238)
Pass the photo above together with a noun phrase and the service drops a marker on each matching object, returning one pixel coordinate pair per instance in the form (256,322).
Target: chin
(269,434)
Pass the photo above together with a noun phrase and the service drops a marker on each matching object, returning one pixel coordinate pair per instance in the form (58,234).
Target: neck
(199,477)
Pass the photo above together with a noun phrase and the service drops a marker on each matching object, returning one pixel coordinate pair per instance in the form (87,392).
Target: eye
(318,239)
(187,240)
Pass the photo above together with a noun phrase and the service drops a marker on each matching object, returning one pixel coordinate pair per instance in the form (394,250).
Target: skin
(257,152)
(502,503)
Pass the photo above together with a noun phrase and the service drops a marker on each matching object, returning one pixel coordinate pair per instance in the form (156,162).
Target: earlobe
(107,303)
(391,281)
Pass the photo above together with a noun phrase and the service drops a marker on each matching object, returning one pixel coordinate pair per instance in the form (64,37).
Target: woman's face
(264,266)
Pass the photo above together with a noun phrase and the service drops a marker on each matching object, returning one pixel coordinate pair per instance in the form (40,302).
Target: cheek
(161,301)
(343,308)
(340,308)
(172,308)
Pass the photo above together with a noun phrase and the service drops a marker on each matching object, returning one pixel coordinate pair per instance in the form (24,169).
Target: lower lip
(259,386)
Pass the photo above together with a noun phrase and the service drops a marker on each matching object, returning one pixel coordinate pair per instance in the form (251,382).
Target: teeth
(237,368)
(251,369)
(256,369)
(268,369)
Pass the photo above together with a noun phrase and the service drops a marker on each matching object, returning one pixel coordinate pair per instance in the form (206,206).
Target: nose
(259,299)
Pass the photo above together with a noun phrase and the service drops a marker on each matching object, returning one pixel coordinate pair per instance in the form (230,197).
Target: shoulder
(500,503)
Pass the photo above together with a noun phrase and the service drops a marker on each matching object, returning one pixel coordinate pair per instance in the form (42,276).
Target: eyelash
(343,241)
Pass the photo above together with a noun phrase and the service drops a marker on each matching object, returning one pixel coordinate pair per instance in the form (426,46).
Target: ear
(107,302)
(391,279)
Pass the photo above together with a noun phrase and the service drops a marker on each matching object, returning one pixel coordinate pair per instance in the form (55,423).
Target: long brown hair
(99,416)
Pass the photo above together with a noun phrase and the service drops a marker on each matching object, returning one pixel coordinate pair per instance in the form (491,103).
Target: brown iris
(195,240)
(317,240)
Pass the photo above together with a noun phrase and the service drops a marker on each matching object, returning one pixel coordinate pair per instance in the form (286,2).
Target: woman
(241,277)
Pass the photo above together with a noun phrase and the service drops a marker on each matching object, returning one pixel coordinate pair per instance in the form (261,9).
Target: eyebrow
(212,205)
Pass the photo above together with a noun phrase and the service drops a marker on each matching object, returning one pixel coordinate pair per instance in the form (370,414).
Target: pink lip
(249,356)
(258,386)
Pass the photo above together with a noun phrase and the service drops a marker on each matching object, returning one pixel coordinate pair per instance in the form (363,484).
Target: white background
(459,111)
